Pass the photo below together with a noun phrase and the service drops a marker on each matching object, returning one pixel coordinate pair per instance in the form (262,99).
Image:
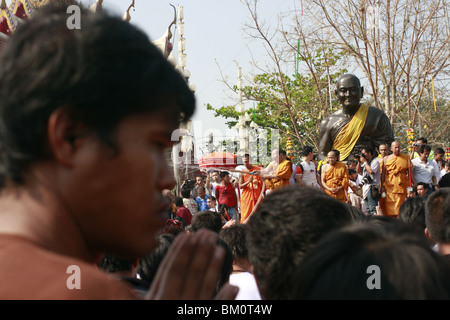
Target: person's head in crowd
(235,238)
(437,219)
(174,226)
(211,202)
(365,261)
(439,154)
(352,175)
(118,265)
(206,219)
(148,265)
(201,192)
(424,152)
(422,189)
(412,212)
(383,149)
(199,180)
(288,223)
(419,142)
(185,193)
(222,209)
(225,177)
(355,213)
(179,202)
(445,181)
(351,165)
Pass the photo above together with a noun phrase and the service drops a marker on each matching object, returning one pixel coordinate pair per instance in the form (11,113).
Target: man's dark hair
(235,238)
(425,185)
(287,223)
(111,263)
(424,147)
(424,140)
(412,212)
(369,149)
(178,201)
(206,220)
(185,193)
(307,150)
(341,264)
(148,265)
(439,151)
(223,174)
(437,216)
(99,75)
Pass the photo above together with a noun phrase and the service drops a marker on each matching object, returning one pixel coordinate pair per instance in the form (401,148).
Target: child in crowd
(225,194)
(202,199)
(212,203)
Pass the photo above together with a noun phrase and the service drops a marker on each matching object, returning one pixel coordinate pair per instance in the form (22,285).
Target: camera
(367,179)
(362,155)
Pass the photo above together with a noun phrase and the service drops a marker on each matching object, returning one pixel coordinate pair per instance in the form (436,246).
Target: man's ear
(63,136)
(427,234)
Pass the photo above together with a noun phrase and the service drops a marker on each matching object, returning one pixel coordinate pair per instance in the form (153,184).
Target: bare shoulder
(32,272)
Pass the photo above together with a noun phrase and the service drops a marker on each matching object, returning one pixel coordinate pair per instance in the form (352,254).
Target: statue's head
(349,91)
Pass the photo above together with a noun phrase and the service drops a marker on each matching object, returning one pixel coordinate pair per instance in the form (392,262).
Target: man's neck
(34,219)
(444,248)
(350,111)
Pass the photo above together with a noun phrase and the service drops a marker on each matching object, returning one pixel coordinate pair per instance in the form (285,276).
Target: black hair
(341,264)
(206,220)
(178,201)
(287,224)
(99,74)
(424,147)
(307,150)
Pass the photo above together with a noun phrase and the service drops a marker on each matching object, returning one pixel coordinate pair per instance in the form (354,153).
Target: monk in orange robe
(251,186)
(395,180)
(283,172)
(335,177)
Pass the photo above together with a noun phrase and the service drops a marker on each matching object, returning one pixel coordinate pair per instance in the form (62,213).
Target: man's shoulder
(28,271)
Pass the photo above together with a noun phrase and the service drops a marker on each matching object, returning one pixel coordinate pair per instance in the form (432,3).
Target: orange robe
(284,173)
(250,193)
(395,183)
(337,176)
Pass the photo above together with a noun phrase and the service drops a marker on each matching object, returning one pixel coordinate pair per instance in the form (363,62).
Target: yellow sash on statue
(347,137)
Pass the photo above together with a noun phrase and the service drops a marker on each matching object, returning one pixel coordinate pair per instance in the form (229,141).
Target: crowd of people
(376,181)
(87,211)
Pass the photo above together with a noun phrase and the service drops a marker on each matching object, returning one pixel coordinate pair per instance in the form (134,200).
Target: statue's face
(349,92)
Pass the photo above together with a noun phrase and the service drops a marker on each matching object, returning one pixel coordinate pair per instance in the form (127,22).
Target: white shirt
(309,174)
(423,172)
(292,178)
(248,289)
(437,170)
(376,176)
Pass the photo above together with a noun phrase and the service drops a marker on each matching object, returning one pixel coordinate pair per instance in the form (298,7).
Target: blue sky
(214,38)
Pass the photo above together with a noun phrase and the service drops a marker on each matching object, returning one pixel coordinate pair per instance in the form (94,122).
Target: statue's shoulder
(376,111)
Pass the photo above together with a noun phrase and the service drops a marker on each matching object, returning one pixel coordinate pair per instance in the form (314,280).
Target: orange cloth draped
(284,173)
(337,176)
(395,183)
(250,193)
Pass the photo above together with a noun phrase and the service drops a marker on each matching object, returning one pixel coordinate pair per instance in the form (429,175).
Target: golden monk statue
(354,125)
